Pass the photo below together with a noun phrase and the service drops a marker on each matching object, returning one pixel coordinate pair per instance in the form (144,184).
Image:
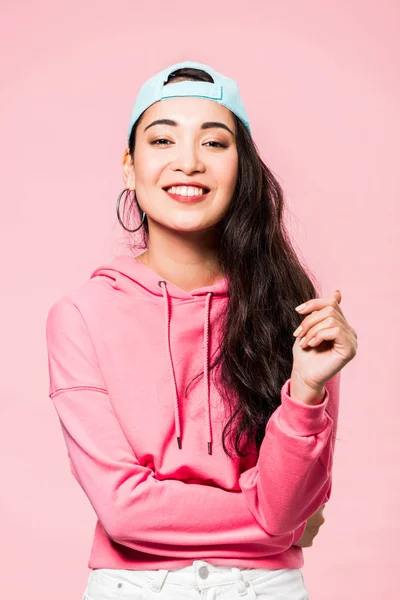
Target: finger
(330,333)
(313,322)
(338,296)
(318,304)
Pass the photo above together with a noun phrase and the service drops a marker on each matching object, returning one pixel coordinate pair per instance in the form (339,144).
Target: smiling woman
(183,136)
(171,370)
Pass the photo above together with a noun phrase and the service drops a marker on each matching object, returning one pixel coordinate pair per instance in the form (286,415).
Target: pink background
(320,82)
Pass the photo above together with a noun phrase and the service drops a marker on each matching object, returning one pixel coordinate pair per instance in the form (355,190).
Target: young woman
(199,426)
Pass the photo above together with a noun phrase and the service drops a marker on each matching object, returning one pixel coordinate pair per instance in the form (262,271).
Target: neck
(186,259)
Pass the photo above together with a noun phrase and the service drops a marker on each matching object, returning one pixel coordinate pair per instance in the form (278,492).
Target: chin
(188,225)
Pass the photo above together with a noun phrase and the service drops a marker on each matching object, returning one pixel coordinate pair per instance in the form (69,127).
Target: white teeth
(186,190)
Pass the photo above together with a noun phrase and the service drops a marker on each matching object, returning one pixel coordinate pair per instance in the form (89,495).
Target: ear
(128,170)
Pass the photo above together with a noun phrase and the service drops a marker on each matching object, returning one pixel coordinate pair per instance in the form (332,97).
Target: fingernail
(301,306)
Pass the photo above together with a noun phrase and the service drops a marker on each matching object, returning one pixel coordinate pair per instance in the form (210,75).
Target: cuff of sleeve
(300,418)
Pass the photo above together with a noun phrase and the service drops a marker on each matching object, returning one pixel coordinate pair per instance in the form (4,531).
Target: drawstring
(172,371)
(206,374)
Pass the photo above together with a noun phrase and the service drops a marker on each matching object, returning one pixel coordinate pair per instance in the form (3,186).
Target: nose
(188,158)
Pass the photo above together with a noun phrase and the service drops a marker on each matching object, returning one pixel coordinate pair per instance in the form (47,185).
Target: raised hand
(325,342)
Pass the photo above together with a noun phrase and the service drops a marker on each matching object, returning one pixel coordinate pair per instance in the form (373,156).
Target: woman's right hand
(312,528)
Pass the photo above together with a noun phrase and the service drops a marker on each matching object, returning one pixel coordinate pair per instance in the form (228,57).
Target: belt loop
(158,579)
(240,583)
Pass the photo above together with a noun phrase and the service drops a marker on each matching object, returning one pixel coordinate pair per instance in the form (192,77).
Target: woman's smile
(186,197)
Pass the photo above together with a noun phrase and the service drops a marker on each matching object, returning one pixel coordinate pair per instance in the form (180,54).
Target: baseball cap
(224,90)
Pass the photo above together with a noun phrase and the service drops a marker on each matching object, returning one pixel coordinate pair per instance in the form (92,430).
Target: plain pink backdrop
(320,82)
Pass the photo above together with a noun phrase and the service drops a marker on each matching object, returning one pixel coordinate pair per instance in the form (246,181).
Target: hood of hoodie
(131,278)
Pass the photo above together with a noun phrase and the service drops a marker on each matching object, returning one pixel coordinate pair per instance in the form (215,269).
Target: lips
(187,184)
(186,198)
(204,187)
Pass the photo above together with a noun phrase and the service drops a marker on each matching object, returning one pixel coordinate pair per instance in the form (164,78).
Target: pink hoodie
(122,348)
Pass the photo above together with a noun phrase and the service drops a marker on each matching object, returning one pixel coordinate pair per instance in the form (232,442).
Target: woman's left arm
(293,475)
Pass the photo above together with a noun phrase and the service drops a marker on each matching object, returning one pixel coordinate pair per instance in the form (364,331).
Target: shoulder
(78,302)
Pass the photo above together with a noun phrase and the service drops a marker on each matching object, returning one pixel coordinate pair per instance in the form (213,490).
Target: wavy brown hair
(266,281)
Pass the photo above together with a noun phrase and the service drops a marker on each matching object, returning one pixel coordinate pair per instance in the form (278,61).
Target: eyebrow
(206,125)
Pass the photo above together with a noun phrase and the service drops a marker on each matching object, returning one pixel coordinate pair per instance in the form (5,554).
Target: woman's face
(165,154)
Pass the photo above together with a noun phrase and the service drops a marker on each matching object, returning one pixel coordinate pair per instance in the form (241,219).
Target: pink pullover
(122,348)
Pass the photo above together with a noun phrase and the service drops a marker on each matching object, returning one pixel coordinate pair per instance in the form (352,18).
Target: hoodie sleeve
(293,474)
(134,508)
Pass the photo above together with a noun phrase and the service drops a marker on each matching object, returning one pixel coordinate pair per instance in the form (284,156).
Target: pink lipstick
(187,198)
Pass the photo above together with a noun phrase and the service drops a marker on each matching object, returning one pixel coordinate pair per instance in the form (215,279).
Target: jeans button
(203,572)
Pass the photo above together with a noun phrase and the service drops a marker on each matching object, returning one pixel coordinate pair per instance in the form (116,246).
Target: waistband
(199,575)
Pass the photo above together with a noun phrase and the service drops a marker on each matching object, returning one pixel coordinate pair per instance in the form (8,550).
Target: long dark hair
(265,280)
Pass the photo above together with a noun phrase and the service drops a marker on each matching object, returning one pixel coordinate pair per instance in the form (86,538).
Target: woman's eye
(161,140)
(218,144)
(159,143)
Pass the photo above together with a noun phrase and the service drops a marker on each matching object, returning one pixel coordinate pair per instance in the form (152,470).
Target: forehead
(188,112)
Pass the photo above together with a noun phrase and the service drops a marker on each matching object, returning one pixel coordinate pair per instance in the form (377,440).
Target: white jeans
(198,581)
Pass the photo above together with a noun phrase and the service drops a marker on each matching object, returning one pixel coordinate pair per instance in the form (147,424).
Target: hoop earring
(119,218)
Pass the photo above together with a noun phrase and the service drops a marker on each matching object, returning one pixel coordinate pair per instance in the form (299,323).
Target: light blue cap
(224,90)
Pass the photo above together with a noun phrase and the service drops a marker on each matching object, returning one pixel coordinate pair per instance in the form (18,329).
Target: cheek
(227,184)
(148,165)
(227,174)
